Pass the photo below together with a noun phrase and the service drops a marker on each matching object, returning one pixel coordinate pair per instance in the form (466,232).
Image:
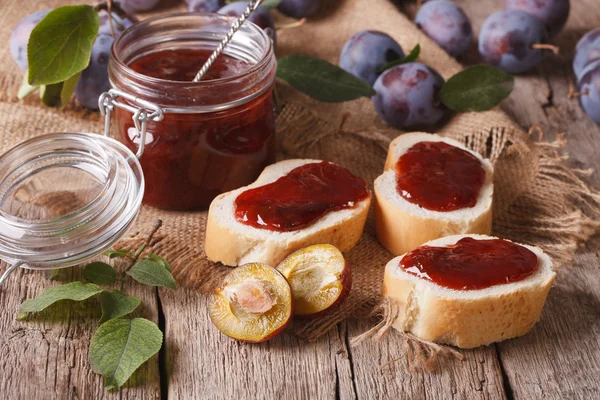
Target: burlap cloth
(537,199)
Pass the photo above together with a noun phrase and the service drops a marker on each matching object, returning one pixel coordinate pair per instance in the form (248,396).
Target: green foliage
(477,88)
(100,273)
(412,56)
(76,291)
(321,80)
(152,273)
(111,253)
(60,45)
(116,304)
(120,346)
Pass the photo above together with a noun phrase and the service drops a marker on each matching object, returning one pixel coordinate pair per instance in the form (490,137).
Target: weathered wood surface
(560,358)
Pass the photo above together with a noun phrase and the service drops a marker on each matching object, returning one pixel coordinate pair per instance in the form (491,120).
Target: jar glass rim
(84,229)
(265,59)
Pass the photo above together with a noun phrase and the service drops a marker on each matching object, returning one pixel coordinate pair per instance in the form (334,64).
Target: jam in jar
(301,197)
(217,134)
(471,264)
(439,177)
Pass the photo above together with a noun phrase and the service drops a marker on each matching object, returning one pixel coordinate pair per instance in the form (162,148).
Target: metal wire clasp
(142,110)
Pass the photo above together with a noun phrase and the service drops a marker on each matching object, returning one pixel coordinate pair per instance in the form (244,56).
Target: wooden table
(46,358)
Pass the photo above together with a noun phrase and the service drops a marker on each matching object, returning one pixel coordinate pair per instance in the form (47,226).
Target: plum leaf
(77,291)
(153,274)
(321,80)
(477,88)
(412,56)
(61,44)
(100,273)
(116,304)
(120,346)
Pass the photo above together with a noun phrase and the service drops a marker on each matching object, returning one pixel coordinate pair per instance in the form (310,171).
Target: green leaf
(68,88)
(120,346)
(112,253)
(26,89)
(153,274)
(76,291)
(116,304)
(159,260)
(412,56)
(321,80)
(476,88)
(50,94)
(51,273)
(100,273)
(61,44)
(268,4)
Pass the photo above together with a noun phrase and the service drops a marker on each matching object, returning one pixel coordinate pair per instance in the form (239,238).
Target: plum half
(253,304)
(320,279)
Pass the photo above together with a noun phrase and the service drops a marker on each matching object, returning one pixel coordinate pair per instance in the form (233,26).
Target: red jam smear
(300,198)
(471,264)
(439,177)
(183,65)
(192,158)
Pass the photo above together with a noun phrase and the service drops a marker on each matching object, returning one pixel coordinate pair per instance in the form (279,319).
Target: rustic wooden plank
(560,358)
(203,363)
(47,356)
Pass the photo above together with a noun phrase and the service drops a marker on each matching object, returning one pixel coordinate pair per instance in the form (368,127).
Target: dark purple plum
(552,13)
(205,5)
(20,37)
(407,96)
(94,79)
(589,88)
(366,52)
(261,16)
(138,5)
(119,23)
(507,38)
(299,8)
(587,50)
(447,24)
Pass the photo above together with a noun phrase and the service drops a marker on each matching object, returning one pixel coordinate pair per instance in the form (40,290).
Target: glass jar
(207,137)
(64,198)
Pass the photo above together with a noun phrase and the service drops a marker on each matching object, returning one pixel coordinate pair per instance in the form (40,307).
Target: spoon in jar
(252,5)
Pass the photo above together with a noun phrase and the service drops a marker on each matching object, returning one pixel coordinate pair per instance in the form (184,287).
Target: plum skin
(119,23)
(447,24)
(139,5)
(205,5)
(261,16)
(94,79)
(552,13)
(506,38)
(20,36)
(299,8)
(407,96)
(589,87)
(368,51)
(587,51)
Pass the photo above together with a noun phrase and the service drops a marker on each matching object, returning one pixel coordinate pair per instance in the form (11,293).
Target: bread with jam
(468,290)
(431,187)
(292,204)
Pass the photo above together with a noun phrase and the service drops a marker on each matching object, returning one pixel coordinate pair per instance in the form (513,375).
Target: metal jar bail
(142,110)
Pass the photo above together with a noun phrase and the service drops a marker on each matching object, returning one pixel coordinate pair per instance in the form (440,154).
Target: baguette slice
(467,318)
(233,243)
(402,226)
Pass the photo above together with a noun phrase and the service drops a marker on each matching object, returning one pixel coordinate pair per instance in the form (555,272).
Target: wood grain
(47,358)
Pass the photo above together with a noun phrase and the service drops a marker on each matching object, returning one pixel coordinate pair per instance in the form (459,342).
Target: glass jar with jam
(199,139)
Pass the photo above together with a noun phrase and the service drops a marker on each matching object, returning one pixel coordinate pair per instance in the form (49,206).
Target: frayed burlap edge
(421,354)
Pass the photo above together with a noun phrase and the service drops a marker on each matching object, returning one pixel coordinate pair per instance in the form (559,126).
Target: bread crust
(401,229)
(234,247)
(477,319)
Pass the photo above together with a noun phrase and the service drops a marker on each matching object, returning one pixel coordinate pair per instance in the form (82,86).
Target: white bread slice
(233,243)
(467,318)
(402,226)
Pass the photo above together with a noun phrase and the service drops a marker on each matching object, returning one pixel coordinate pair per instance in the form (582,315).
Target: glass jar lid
(66,197)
